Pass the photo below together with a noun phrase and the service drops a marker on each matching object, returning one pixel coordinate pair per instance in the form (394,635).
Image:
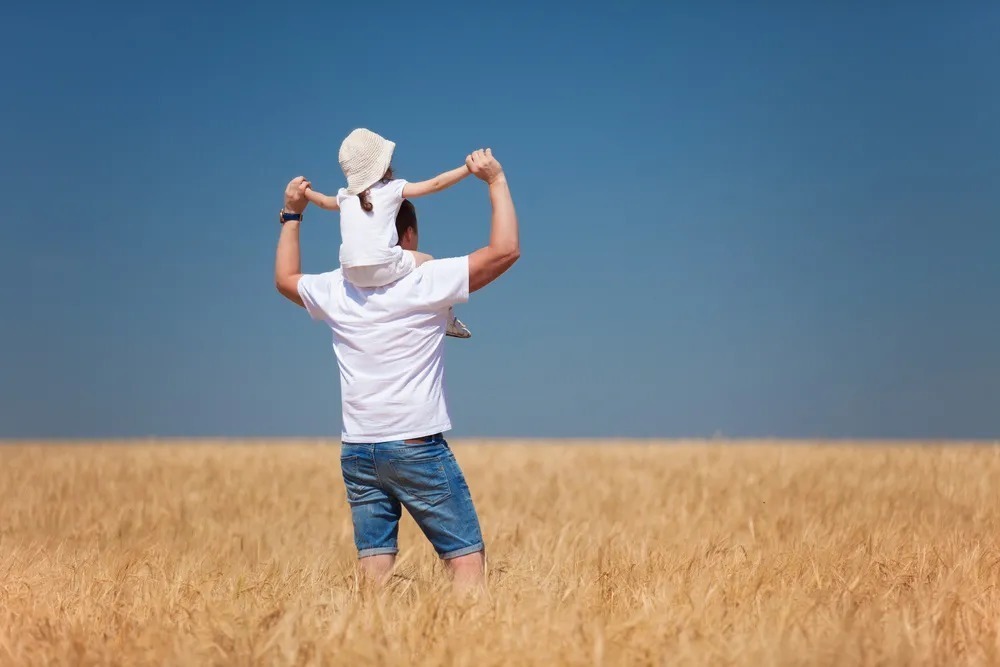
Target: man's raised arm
(487,264)
(287,262)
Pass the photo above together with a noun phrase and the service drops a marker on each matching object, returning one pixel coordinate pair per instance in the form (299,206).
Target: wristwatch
(284,216)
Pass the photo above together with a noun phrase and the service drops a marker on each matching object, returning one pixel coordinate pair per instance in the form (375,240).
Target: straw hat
(364,157)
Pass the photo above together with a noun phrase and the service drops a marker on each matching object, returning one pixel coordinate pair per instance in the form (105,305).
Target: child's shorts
(378,275)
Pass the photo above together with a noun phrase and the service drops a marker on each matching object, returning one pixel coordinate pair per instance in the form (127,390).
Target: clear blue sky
(780,221)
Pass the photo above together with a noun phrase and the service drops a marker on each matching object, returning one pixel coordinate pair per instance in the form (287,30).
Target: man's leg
(429,482)
(468,573)
(377,569)
(374,512)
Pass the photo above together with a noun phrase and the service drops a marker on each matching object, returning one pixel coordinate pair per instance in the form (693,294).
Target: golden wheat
(697,553)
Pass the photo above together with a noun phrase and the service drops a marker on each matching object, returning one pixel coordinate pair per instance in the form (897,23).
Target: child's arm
(322,200)
(436,184)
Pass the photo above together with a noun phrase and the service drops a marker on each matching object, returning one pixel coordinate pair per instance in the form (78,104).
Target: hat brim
(373,175)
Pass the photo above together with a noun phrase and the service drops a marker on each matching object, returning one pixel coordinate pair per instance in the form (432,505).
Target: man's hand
(484,166)
(295,194)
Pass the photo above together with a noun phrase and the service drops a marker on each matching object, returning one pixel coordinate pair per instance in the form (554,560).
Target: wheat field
(241,553)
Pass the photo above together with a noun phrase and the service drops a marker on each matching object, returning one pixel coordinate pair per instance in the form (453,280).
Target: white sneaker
(455,327)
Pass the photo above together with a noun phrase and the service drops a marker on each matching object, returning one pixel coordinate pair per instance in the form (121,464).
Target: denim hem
(377,551)
(464,551)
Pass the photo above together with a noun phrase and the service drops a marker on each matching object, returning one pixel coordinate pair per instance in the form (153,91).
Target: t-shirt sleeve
(314,290)
(397,188)
(443,282)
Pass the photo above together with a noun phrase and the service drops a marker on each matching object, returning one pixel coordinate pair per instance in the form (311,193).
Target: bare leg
(377,569)
(420,257)
(468,573)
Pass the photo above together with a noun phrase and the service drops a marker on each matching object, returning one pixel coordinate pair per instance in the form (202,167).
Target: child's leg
(456,328)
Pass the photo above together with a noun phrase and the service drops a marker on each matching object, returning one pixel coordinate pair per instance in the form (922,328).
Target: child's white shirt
(369,238)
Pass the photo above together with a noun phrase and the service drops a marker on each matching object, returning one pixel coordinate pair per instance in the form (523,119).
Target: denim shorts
(425,478)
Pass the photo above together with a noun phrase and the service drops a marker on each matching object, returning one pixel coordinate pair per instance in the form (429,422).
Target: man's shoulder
(431,285)
(445,264)
(317,291)
(436,281)
(329,277)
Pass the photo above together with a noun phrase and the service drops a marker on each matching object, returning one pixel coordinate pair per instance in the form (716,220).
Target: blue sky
(748,221)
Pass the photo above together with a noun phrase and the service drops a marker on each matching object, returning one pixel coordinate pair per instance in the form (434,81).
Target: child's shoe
(455,327)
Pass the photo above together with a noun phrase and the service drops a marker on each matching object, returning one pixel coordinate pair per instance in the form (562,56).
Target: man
(389,344)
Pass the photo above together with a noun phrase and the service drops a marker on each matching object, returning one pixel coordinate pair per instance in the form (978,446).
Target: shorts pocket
(355,487)
(423,478)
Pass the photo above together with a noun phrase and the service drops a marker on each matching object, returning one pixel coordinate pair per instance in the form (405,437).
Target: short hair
(406,218)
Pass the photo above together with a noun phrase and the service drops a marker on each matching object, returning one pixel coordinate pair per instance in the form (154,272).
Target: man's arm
(489,263)
(436,184)
(287,262)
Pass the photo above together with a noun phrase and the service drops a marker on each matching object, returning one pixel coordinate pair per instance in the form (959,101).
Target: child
(369,256)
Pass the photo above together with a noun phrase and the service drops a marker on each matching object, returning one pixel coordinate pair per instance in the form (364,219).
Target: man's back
(389,344)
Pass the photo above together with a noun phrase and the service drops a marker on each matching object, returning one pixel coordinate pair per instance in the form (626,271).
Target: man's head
(406,226)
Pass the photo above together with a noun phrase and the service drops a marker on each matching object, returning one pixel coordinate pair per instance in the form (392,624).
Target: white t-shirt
(389,344)
(369,238)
